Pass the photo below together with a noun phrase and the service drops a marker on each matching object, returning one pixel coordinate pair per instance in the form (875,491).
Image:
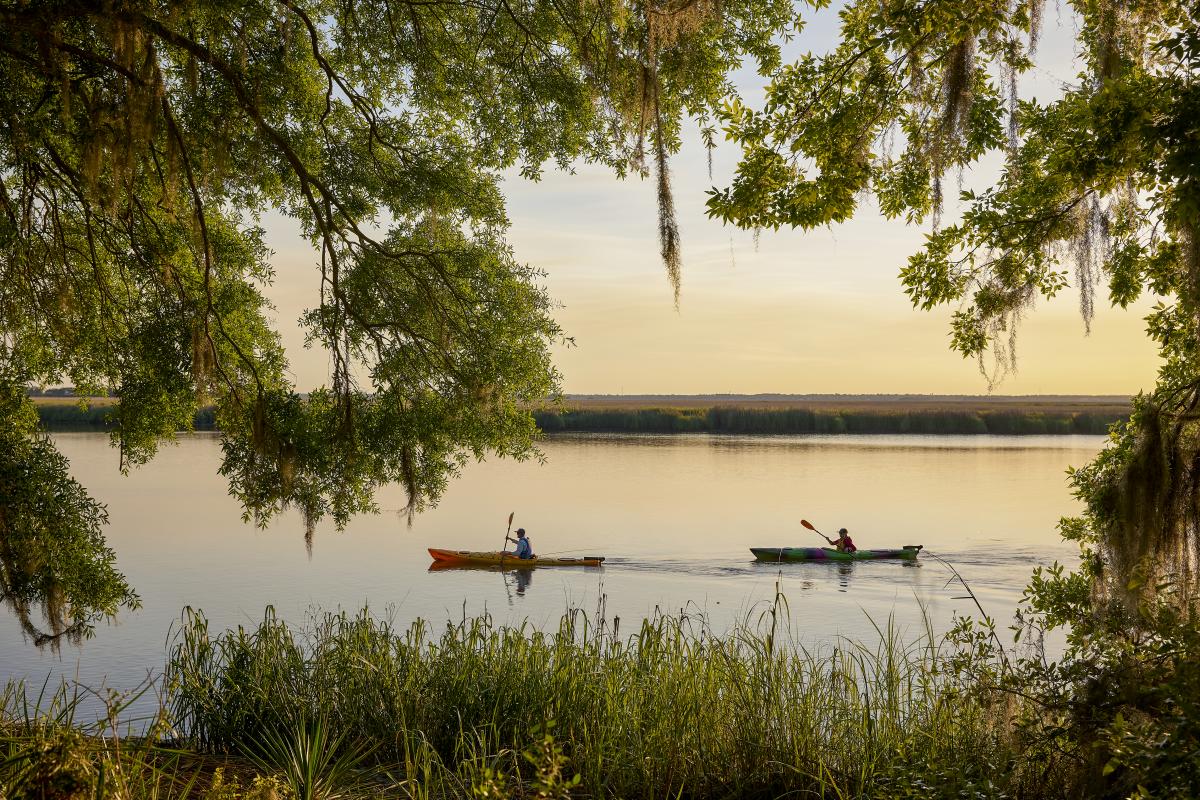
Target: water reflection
(514,578)
(676,516)
(812,575)
(524,578)
(844,572)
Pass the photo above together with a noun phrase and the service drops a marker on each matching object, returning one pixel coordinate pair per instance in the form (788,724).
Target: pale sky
(816,312)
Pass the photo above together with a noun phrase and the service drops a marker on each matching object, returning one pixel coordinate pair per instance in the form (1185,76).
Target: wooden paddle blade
(807,524)
(510,517)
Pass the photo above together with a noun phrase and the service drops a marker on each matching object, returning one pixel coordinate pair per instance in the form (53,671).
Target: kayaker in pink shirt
(843,543)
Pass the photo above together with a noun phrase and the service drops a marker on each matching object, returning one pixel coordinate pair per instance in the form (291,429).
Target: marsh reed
(670,710)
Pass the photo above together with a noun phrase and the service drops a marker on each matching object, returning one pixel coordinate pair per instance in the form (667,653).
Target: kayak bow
(775,554)
(508,560)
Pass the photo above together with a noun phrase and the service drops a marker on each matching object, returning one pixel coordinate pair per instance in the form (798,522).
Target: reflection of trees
(53,557)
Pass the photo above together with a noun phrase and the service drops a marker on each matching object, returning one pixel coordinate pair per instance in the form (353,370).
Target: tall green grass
(48,752)
(799,420)
(352,706)
(669,711)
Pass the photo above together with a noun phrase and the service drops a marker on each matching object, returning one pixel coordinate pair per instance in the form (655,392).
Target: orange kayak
(508,560)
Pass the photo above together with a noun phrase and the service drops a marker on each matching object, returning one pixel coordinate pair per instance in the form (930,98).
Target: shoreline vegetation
(751,414)
(353,706)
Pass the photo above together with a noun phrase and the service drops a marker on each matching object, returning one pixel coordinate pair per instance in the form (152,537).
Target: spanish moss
(1089,248)
(1034,8)
(668,226)
(957,93)
(1150,543)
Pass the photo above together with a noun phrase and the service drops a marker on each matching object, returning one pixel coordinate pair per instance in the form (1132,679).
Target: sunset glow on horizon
(784,311)
(794,312)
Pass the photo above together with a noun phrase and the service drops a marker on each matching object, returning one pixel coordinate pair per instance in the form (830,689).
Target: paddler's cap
(520,531)
(843,530)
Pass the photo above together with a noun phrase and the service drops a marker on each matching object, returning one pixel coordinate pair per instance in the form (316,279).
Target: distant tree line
(70,417)
(799,420)
(57,391)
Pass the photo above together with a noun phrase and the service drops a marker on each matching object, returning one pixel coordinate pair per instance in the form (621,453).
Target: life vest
(524,550)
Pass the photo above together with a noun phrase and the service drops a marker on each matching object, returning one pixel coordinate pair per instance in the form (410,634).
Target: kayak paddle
(812,528)
(504,546)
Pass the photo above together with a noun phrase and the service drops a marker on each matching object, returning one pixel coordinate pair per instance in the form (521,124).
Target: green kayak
(776,554)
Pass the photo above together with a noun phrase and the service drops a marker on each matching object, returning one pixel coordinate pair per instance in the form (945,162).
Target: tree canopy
(1100,188)
(140,143)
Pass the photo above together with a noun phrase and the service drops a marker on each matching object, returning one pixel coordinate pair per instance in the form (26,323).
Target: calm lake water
(674,514)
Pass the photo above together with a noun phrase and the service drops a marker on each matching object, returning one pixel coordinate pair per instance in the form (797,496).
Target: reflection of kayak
(909,552)
(508,560)
(450,566)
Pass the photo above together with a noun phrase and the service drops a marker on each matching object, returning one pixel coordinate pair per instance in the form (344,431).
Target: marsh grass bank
(351,703)
(826,421)
(863,417)
(96,414)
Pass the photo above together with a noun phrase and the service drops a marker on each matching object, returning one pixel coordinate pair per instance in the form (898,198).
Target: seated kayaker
(843,543)
(524,549)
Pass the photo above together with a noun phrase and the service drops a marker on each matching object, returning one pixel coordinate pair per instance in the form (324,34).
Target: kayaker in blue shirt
(524,549)
(843,543)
